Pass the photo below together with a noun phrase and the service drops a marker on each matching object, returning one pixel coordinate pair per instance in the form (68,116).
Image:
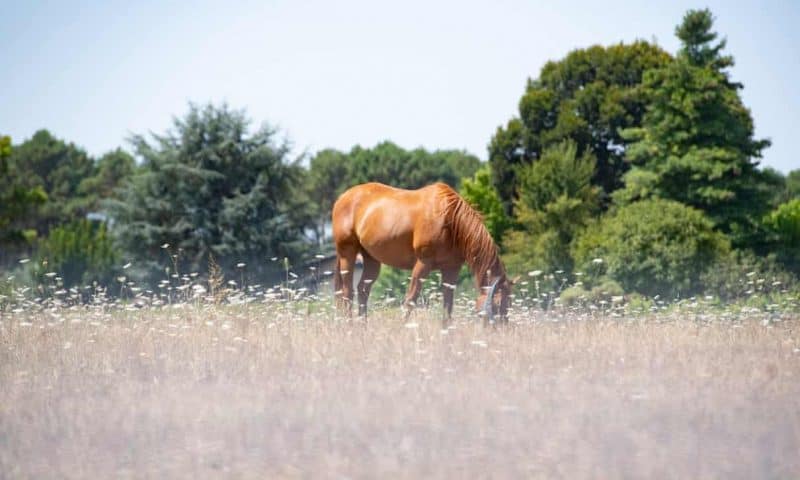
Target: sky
(441,75)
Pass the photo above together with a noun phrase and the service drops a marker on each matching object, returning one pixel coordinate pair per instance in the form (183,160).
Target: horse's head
(493,299)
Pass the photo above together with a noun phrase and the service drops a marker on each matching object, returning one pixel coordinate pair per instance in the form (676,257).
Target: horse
(431,228)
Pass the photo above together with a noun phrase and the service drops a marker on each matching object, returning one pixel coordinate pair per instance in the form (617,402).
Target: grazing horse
(431,228)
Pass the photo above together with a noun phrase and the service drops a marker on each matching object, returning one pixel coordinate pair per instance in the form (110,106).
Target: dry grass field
(198,391)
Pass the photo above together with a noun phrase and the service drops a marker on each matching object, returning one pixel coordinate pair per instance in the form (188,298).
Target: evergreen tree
(696,142)
(587,97)
(111,171)
(556,201)
(210,187)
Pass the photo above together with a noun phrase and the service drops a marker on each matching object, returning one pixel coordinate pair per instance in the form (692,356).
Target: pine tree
(209,187)
(696,143)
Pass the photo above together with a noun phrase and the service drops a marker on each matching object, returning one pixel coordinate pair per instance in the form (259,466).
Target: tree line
(627,169)
(207,190)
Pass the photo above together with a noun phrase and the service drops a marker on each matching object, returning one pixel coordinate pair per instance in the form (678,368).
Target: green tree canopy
(57,168)
(587,97)
(331,172)
(556,201)
(17,202)
(110,171)
(696,143)
(211,187)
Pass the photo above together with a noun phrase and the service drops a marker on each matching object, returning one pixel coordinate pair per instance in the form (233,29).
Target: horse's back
(349,203)
(385,221)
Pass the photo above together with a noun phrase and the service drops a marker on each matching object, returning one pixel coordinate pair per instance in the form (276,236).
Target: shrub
(784,225)
(740,274)
(79,252)
(607,291)
(651,247)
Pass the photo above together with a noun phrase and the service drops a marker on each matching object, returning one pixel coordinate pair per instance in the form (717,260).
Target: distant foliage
(793,184)
(78,253)
(331,172)
(556,201)
(5,147)
(210,187)
(110,172)
(390,164)
(328,176)
(653,247)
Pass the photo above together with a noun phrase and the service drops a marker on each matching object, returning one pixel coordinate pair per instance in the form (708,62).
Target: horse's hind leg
(372,268)
(346,258)
(420,271)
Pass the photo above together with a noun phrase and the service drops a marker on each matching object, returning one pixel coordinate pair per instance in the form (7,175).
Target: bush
(651,247)
(607,291)
(784,226)
(79,253)
(741,274)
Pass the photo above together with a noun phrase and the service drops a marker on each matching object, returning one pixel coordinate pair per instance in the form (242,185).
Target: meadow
(262,387)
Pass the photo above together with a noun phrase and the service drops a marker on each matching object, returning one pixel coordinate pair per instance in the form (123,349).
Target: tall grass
(271,383)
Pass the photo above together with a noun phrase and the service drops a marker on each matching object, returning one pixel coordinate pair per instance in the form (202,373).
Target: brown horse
(432,228)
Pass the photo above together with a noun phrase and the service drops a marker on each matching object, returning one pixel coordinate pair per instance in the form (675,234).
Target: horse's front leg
(449,279)
(419,272)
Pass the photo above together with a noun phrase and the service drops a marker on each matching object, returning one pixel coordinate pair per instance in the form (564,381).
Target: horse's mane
(469,235)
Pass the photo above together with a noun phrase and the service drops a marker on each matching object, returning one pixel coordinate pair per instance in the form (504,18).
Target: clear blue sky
(335,74)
